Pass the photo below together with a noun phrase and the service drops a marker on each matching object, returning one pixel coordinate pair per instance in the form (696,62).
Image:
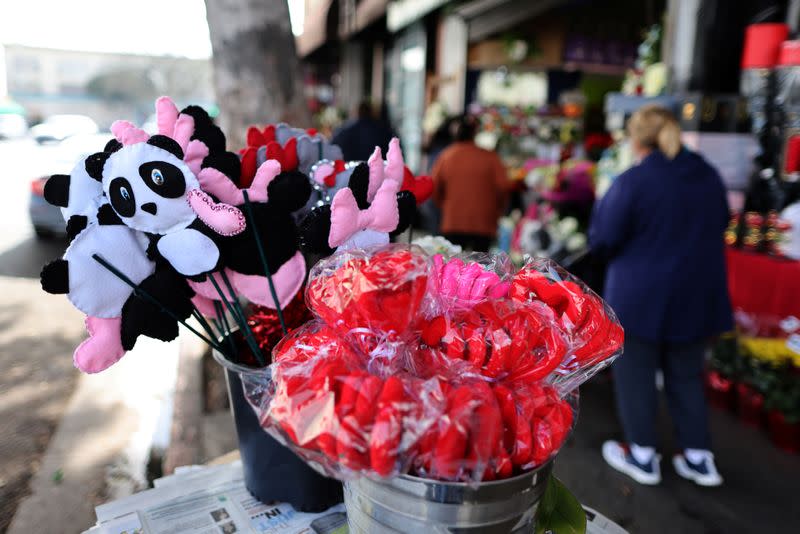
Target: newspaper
(209,500)
(213,500)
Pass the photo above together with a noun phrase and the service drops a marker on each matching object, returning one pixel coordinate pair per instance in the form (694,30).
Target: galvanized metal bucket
(408,504)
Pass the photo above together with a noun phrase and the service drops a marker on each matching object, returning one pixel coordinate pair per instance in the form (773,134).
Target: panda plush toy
(152,223)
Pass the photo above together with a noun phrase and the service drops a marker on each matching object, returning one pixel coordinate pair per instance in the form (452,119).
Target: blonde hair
(657,128)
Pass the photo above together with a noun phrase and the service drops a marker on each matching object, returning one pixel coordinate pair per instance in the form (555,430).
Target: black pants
(473,242)
(637,397)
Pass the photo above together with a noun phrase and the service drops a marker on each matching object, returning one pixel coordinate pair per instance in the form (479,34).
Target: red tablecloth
(765,288)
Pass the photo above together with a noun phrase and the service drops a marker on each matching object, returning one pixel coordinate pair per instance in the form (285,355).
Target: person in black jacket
(660,226)
(358,137)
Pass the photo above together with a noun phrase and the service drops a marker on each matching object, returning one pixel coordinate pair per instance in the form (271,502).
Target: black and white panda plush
(152,225)
(77,194)
(151,189)
(116,315)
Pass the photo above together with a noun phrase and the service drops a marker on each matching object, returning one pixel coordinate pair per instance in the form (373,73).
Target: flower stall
(421,386)
(756,372)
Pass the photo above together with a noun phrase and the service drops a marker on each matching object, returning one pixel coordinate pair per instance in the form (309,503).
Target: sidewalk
(761,488)
(37,334)
(102,445)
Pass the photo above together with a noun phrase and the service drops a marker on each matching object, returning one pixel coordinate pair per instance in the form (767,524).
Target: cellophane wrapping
(454,369)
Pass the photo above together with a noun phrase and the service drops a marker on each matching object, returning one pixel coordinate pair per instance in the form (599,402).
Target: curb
(186,439)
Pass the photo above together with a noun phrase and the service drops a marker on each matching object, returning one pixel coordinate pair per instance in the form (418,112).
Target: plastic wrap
(453,370)
(379,290)
(325,404)
(594,334)
(463,281)
(500,339)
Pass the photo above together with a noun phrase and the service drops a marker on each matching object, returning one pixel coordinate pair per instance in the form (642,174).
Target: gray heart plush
(284,132)
(311,149)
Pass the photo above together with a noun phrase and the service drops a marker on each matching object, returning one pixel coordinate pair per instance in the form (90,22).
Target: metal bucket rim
(391,507)
(469,485)
(454,492)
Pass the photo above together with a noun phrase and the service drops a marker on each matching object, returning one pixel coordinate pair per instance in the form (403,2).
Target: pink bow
(347,219)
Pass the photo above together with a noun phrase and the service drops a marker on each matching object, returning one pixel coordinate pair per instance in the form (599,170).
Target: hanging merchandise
(760,55)
(787,101)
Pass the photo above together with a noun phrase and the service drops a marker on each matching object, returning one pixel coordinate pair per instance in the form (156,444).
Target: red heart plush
(502,339)
(382,293)
(338,167)
(329,297)
(420,186)
(257,138)
(249,165)
(286,155)
(595,335)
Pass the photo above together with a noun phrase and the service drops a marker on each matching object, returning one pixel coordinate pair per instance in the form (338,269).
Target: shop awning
(486,17)
(367,12)
(315,26)
(326,20)
(401,13)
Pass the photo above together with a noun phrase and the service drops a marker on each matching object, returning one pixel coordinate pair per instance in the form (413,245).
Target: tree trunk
(257,76)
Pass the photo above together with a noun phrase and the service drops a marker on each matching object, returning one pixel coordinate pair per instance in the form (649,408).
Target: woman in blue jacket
(660,226)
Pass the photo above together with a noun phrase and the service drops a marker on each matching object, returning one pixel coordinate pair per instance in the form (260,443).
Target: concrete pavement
(760,493)
(97,437)
(37,379)
(102,446)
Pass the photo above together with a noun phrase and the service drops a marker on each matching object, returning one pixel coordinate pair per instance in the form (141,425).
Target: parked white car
(58,127)
(12,126)
(46,218)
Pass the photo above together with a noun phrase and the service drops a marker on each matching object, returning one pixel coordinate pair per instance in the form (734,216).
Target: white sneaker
(702,471)
(619,456)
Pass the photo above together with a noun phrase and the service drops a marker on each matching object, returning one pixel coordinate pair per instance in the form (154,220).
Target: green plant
(760,375)
(725,357)
(783,394)
(559,511)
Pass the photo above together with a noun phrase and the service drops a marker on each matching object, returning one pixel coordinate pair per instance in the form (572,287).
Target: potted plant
(783,410)
(722,368)
(756,377)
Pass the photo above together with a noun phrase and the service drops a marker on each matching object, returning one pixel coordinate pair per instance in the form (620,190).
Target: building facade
(102,85)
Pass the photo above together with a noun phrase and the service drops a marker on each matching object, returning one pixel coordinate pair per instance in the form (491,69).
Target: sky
(179,29)
(115,26)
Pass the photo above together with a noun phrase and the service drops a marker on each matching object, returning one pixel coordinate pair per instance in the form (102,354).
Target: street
(21,254)
(37,333)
